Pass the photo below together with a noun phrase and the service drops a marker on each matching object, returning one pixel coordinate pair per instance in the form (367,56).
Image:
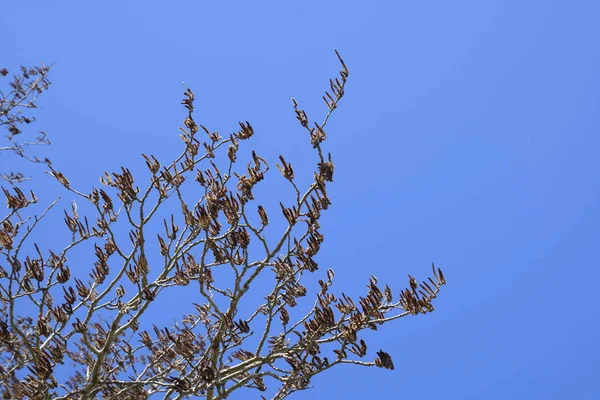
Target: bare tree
(21,96)
(65,335)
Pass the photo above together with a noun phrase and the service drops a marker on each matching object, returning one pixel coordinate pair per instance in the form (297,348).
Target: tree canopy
(190,227)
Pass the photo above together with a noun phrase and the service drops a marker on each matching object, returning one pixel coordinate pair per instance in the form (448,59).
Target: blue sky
(468,137)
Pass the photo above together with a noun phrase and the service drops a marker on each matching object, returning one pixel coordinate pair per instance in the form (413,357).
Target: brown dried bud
(263,215)
(60,315)
(152,163)
(284,316)
(43,327)
(63,274)
(242,326)
(300,115)
(384,360)
(317,135)
(164,250)
(148,294)
(286,169)
(326,170)
(79,326)
(60,177)
(232,152)
(246,132)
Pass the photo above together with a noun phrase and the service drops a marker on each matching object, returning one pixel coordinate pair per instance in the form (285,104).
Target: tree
(66,335)
(22,95)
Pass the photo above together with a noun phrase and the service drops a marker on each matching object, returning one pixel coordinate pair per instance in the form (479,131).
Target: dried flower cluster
(56,321)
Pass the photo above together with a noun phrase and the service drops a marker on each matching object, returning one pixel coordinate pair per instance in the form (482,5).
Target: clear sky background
(469,136)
